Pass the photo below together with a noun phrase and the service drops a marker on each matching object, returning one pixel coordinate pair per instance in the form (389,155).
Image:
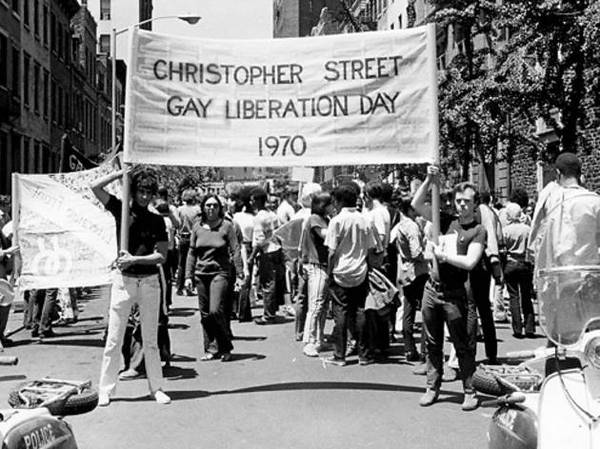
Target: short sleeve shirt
(146,229)
(313,249)
(351,235)
(454,277)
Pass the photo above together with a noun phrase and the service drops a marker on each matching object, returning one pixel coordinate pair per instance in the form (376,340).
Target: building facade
(49,86)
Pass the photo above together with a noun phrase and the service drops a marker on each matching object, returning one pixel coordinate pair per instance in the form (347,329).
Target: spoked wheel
(35,394)
(498,380)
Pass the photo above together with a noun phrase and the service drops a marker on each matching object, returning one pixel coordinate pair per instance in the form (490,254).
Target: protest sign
(303,174)
(363,98)
(66,238)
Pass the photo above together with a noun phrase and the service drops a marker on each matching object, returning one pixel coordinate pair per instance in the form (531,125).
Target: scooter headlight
(592,352)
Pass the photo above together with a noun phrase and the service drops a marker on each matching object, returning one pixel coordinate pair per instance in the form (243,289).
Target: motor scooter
(560,408)
(36,421)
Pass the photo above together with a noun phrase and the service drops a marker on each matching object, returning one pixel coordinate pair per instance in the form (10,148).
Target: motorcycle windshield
(565,238)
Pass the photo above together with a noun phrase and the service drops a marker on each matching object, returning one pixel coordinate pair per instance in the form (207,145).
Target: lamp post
(113,56)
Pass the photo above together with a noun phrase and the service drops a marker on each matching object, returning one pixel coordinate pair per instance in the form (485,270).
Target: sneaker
(365,362)
(261,320)
(179,292)
(420,369)
(470,402)
(48,334)
(103,399)
(310,350)
(289,311)
(413,356)
(431,396)
(333,360)
(351,349)
(129,374)
(450,374)
(161,397)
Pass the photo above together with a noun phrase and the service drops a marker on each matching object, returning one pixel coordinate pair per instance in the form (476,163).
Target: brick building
(48,85)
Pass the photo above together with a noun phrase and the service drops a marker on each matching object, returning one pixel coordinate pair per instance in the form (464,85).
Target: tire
(75,404)
(486,379)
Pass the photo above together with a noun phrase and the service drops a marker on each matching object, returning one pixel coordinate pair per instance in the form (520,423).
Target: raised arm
(98,186)
(418,203)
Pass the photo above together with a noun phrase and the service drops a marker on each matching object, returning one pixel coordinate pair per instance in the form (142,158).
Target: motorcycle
(36,421)
(552,400)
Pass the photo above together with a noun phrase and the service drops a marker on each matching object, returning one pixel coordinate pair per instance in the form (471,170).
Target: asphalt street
(269,396)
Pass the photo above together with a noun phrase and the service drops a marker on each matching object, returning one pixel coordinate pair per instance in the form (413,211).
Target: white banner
(362,98)
(66,238)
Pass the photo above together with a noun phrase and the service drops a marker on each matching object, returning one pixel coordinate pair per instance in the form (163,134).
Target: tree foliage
(514,63)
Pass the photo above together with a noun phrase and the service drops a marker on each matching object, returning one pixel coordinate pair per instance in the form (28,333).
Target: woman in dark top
(213,248)
(313,255)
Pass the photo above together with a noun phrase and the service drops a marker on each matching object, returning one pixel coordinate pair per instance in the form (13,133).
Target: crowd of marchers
(363,256)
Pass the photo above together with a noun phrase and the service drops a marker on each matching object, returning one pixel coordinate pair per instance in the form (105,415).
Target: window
(36,88)
(36,156)
(45,26)
(3,57)
(45,93)
(60,106)
(66,46)
(16,61)
(105,43)
(16,152)
(66,109)
(36,17)
(59,32)
(27,159)
(4,167)
(26,78)
(53,100)
(26,13)
(53,32)
(104,9)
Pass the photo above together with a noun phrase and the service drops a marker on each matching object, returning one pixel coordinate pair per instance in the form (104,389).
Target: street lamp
(192,20)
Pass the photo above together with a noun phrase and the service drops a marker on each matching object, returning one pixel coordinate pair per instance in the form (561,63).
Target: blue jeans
(446,306)
(213,294)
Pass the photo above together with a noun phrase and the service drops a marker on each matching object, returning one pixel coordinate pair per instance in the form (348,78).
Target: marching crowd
(364,256)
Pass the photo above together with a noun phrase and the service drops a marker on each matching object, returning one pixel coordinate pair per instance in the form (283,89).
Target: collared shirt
(410,243)
(516,235)
(570,218)
(380,217)
(351,235)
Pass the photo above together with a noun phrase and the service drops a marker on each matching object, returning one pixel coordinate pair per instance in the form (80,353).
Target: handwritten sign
(363,98)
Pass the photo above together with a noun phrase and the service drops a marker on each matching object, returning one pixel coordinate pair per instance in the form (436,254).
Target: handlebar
(526,354)
(509,399)
(8,360)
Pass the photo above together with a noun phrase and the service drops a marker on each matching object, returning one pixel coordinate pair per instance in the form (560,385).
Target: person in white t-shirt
(287,207)
(350,238)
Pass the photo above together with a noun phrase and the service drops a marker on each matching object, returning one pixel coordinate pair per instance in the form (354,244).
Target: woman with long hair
(213,249)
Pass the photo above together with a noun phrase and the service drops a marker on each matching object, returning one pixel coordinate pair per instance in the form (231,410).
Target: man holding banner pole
(445,296)
(135,280)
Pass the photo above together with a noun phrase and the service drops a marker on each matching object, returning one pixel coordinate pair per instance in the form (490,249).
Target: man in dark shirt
(135,281)
(445,298)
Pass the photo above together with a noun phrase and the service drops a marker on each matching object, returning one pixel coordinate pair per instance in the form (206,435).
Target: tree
(534,59)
